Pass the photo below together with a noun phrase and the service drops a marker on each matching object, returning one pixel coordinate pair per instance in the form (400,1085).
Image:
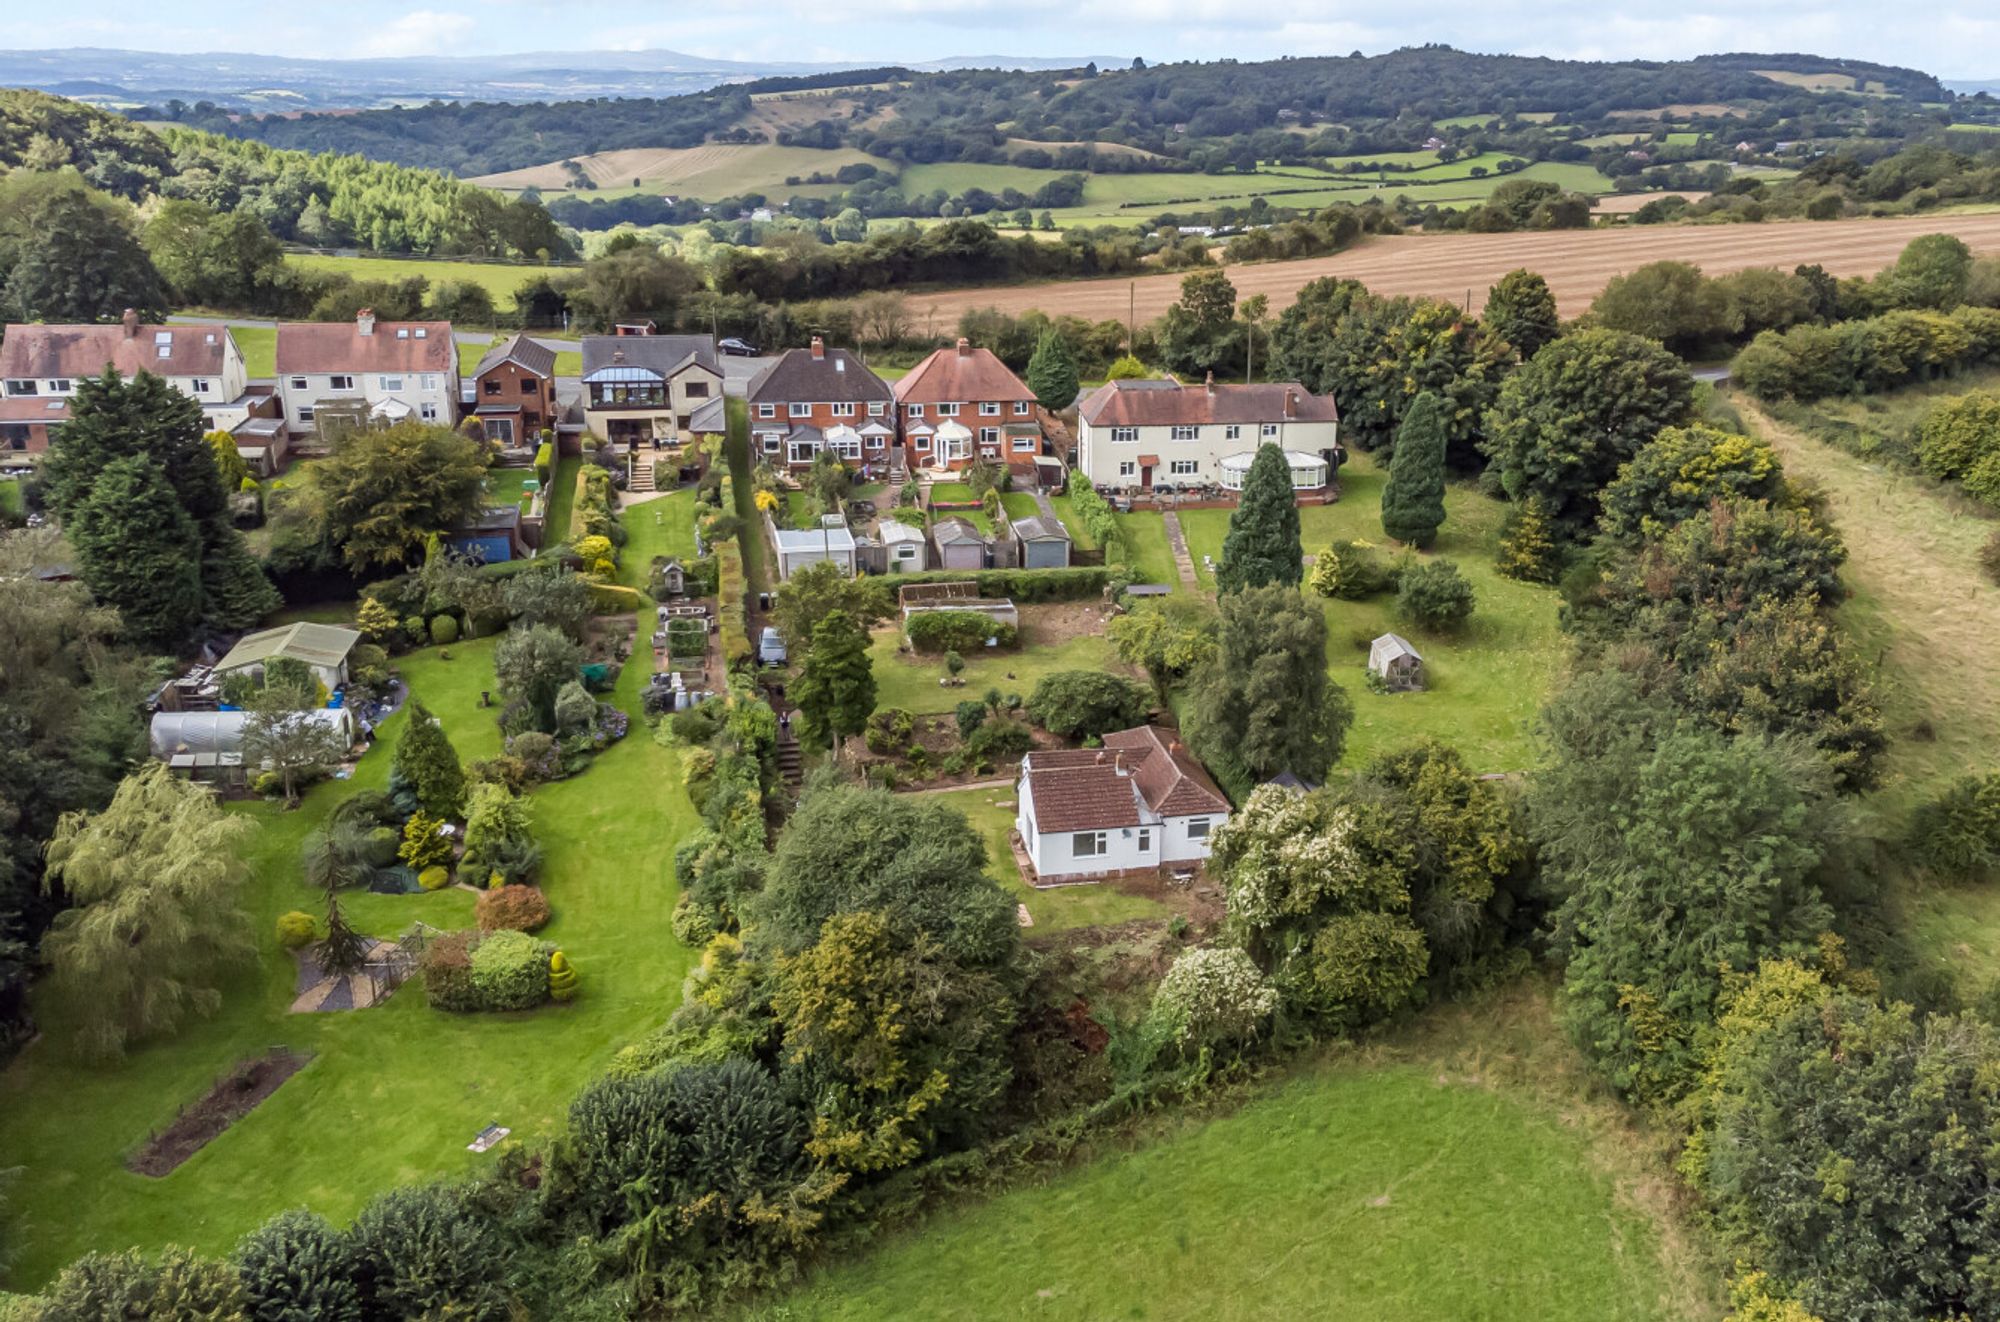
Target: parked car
(737,348)
(771,647)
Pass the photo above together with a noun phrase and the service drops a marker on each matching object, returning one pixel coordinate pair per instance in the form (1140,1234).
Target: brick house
(336,375)
(513,391)
(40,366)
(1000,418)
(808,400)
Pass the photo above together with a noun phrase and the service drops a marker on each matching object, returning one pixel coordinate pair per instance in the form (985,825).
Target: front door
(1145,477)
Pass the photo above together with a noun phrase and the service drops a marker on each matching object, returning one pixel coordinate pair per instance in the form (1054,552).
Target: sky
(1950,38)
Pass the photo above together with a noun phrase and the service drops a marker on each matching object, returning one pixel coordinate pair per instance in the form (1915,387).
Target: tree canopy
(1262,545)
(1263,702)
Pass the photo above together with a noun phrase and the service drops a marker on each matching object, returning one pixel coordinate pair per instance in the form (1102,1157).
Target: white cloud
(420,32)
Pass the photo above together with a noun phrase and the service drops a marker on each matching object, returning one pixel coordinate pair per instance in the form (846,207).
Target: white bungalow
(1141,802)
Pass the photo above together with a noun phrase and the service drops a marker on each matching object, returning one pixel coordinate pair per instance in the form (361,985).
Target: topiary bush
(434,878)
(296,930)
(297,1265)
(510,971)
(512,909)
(1434,596)
(562,978)
(444,630)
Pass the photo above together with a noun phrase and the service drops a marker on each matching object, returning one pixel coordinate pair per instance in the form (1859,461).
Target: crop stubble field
(1577,263)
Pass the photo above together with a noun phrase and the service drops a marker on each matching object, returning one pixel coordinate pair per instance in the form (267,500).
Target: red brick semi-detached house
(513,391)
(996,413)
(808,400)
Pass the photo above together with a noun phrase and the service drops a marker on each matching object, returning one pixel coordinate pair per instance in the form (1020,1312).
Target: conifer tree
(139,552)
(1528,545)
(426,759)
(1262,546)
(1052,373)
(836,685)
(344,950)
(1413,498)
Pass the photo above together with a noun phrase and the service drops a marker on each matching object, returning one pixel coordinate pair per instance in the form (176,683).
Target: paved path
(1182,560)
(953,789)
(1045,505)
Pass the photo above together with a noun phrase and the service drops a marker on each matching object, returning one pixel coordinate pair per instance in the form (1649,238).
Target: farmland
(498,279)
(711,170)
(1577,263)
(1460,1171)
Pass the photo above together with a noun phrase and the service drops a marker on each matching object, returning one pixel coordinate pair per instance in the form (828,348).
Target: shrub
(1074,703)
(296,1265)
(497,840)
(1213,996)
(545,460)
(888,731)
(1434,596)
(956,631)
(953,663)
(538,754)
(444,630)
(1351,571)
(296,930)
(575,709)
(424,843)
(447,971)
(1957,433)
(100,1286)
(999,738)
(434,878)
(969,714)
(1528,550)
(1957,834)
(512,909)
(562,978)
(694,926)
(426,1252)
(510,971)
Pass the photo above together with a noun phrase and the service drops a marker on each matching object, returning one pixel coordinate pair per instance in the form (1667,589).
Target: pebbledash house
(1147,433)
(1140,803)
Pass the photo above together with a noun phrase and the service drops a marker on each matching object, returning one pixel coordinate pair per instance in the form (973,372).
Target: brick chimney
(364,321)
(964,347)
(819,347)
(130,321)
(1291,403)
(1209,384)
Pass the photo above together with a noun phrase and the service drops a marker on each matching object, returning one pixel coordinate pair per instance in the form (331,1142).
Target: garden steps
(641,477)
(791,759)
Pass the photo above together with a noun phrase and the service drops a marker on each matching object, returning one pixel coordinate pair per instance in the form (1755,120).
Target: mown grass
(394,1093)
(1055,909)
(498,279)
(1152,558)
(1461,1171)
(663,525)
(562,496)
(1486,684)
(910,680)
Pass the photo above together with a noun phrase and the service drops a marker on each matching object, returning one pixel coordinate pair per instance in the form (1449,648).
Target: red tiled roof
(1169,404)
(34,408)
(962,375)
(40,352)
(318,347)
(1081,798)
(1175,785)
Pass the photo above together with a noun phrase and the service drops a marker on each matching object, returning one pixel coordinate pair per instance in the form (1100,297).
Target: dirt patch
(234,1096)
(1060,622)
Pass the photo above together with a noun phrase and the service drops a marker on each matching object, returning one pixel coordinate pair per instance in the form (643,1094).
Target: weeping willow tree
(155,881)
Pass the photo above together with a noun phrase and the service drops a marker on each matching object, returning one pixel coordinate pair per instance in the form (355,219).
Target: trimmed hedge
(731,591)
(614,599)
(1023,586)
(545,461)
(1876,353)
(1099,521)
(957,631)
(510,971)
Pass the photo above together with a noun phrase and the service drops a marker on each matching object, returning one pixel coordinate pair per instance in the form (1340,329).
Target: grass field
(498,279)
(259,346)
(712,170)
(910,680)
(1485,686)
(1463,1173)
(663,525)
(1056,909)
(1152,558)
(394,1093)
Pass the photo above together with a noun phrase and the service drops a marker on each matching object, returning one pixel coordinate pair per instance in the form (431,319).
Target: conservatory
(1309,471)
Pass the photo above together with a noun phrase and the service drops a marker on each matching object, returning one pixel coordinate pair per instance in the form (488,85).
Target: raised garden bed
(234,1096)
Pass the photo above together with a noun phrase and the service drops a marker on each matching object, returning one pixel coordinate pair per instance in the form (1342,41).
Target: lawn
(910,681)
(12,502)
(394,1093)
(499,279)
(1152,558)
(569,362)
(506,486)
(1463,1173)
(1054,909)
(663,525)
(1486,685)
(562,495)
(1020,505)
(1080,535)
(259,346)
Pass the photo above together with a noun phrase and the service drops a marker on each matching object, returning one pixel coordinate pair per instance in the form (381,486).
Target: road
(1461,267)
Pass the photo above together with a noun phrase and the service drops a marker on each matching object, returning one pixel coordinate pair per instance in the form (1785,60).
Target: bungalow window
(1184,467)
(1197,828)
(916,410)
(1125,435)
(392,383)
(989,410)
(1270,429)
(15,387)
(197,386)
(947,410)
(801,410)
(843,410)
(1186,433)
(1089,844)
(297,383)
(767,410)
(1021,408)
(1145,839)
(1232,432)
(340,383)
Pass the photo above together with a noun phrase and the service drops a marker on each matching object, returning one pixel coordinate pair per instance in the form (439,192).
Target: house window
(306,413)
(1184,467)
(1185,433)
(1024,445)
(60,386)
(492,385)
(1232,432)
(770,442)
(922,442)
(844,410)
(877,408)
(1088,844)
(767,410)
(498,429)
(989,436)
(916,410)
(1145,839)
(298,383)
(392,383)
(947,410)
(15,434)
(1128,469)
(340,383)
(529,386)
(989,410)
(875,443)
(697,389)
(21,387)
(427,411)
(1270,429)
(1124,435)
(1022,407)
(1197,828)
(198,387)
(801,410)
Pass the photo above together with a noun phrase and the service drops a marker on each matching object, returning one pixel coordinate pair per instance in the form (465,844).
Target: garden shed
(1399,665)
(323,647)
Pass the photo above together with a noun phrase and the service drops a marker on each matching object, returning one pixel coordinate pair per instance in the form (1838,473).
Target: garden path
(1177,542)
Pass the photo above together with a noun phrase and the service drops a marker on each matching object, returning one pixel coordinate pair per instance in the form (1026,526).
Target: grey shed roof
(314,644)
(955,529)
(1039,527)
(1390,647)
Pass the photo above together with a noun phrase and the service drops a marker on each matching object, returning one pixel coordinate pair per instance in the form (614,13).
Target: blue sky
(1952,38)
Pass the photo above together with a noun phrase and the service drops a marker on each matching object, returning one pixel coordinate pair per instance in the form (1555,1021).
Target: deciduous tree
(1521,310)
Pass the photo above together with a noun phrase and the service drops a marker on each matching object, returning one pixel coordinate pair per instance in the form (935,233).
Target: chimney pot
(818,347)
(1291,403)
(1209,384)
(964,346)
(130,320)
(364,321)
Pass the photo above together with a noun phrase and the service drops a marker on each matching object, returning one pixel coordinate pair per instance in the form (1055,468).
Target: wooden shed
(1399,665)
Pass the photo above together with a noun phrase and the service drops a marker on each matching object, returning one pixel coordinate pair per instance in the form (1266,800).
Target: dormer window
(402,332)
